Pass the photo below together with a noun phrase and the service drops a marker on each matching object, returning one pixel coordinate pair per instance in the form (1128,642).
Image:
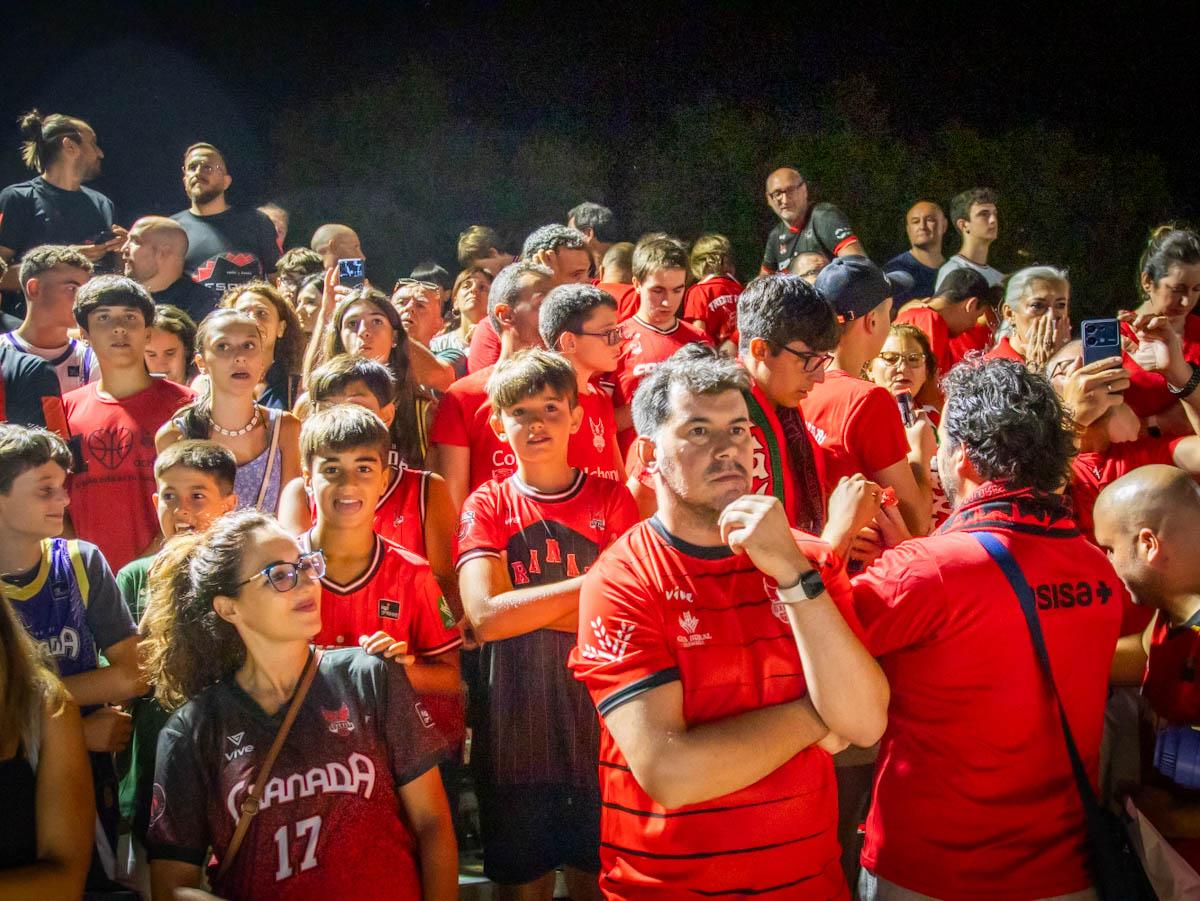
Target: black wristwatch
(810,583)
(1189,386)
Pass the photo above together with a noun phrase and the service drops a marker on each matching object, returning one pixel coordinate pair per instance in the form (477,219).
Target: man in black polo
(803,227)
(227,246)
(154,255)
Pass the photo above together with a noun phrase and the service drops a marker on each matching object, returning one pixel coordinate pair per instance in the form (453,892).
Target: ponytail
(1168,246)
(43,136)
(188,646)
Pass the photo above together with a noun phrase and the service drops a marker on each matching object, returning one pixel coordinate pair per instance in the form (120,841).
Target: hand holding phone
(351,272)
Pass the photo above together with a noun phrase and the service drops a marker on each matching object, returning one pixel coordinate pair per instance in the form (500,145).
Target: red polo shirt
(856,423)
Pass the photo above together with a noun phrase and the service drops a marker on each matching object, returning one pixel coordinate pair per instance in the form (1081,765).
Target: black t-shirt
(228,248)
(29,391)
(35,212)
(826,231)
(191,297)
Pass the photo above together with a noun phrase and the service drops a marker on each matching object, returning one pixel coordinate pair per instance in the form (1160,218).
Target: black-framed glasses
(892,358)
(284,576)
(812,361)
(609,336)
(779,193)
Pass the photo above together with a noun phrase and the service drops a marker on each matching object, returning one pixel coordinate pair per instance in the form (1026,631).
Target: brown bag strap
(249,805)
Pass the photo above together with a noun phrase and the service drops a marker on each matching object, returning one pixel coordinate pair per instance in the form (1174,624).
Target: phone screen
(351,272)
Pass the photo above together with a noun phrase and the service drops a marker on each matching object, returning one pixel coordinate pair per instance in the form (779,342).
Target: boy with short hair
(524,544)
(580,323)
(375,593)
(114,421)
(655,331)
(194,486)
(65,595)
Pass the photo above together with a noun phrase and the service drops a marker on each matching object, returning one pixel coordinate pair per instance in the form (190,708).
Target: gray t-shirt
(958,261)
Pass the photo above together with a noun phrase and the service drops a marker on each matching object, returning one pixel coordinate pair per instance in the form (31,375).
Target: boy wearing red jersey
(464,449)
(374,593)
(524,545)
(719,647)
(655,332)
(580,322)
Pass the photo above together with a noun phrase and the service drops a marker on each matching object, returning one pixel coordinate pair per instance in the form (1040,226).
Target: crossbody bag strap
(1012,572)
(250,803)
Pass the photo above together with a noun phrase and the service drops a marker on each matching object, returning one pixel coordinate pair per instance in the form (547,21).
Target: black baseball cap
(855,286)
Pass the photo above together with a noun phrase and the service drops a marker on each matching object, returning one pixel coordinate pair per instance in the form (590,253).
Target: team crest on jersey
(597,427)
(465,523)
(338,720)
(389,609)
(610,646)
(158,803)
(398,520)
(597,522)
(691,638)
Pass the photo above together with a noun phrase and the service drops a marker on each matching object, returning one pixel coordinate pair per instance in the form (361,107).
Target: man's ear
(568,343)
(646,453)
(227,180)
(503,313)
(498,427)
(760,349)
(962,225)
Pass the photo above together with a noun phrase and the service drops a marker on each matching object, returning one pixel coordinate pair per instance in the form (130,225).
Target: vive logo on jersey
(338,720)
(239,749)
(64,645)
(609,645)
(678,594)
(689,622)
(389,609)
(355,776)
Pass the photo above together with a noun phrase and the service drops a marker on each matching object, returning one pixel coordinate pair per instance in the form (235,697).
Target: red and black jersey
(826,230)
(29,392)
(714,301)
(397,594)
(329,825)
(400,513)
(538,724)
(644,349)
(656,609)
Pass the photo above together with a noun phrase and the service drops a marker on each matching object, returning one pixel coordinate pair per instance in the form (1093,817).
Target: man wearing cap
(963,296)
(803,227)
(855,422)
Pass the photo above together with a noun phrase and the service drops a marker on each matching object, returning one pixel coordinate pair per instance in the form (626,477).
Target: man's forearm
(104,685)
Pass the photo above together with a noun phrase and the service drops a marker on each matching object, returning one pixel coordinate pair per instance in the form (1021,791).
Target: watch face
(812,583)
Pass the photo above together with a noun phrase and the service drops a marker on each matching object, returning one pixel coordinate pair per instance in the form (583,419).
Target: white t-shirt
(994,276)
(75,362)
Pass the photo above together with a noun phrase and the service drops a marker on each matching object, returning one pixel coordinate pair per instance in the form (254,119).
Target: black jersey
(826,231)
(228,248)
(329,824)
(191,297)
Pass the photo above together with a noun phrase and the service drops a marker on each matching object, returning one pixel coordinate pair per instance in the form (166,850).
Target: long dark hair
(188,646)
(289,347)
(406,430)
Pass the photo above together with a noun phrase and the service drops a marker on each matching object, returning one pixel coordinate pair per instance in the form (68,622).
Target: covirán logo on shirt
(689,622)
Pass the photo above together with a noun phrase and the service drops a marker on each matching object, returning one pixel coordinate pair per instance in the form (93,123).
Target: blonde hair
(712,254)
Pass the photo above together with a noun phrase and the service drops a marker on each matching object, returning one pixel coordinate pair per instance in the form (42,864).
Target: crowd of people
(857,578)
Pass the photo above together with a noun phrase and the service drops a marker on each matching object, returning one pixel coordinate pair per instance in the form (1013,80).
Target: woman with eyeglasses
(907,368)
(352,805)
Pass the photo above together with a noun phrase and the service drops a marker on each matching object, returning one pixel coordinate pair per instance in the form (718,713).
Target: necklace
(236,433)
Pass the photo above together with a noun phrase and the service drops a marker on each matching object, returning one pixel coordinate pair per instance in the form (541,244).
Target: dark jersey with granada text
(539,724)
(329,824)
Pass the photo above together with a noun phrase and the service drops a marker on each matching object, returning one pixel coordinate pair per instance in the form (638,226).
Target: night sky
(153,78)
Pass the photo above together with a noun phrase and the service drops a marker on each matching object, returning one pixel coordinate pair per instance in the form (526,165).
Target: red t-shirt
(973,788)
(644,349)
(856,423)
(537,725)
(930,322)
(977,337)
(1004,351)
(713,300)
(484,349)
(626,297)
(400,513)
(113,483)
(397,594)
(1147,394)
(463,419)
(594,447)
(656,610)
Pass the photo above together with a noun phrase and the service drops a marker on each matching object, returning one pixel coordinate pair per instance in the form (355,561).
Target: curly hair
(188,646)
(1010,422)
(289,348)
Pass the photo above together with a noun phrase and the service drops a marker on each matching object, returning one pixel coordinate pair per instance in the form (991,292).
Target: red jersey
(644,349)
(397,594)
(112,487)
(328,824)
(626,297)
(1147,394)
(537,724)
(484,349)
(400,513)
(594,447)
(1004,351)
(655,610)
(857,424)
(978,337)
(463,419)
(930,321)
(713,300)
(973,786)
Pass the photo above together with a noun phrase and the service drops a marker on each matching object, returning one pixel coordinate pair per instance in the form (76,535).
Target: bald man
(227,245)
(926,226)
(336,242)
(1149,524)
(803,227)
(153,254)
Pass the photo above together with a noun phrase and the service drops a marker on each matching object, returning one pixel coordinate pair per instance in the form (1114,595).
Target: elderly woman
(1037,320)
